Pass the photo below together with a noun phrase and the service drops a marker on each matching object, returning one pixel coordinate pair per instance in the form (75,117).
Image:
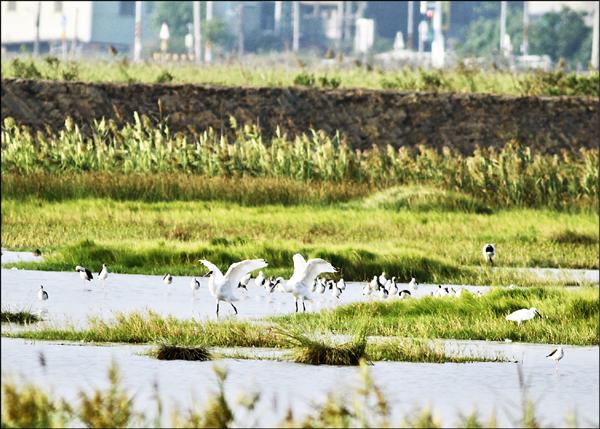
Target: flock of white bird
(305,282)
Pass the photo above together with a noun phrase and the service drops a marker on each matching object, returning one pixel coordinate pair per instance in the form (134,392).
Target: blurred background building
(512,34)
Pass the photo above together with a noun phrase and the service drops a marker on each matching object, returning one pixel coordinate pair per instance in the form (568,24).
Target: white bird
(413,284)
(168,279)
(393,289)
(84,273)
(489,251)
(522,315)
(382,278)
(366,290)
(374,284)
(320,286)
(103,273)
(194,285)
(556,355)
(221,286)
(341,284)
(42,294)
(336,291)
(260,279)
(305,273)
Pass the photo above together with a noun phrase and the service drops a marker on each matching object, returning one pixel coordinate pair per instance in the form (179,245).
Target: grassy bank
(569,317)
(359,238)
(356,75)
(367,406)
(511,176)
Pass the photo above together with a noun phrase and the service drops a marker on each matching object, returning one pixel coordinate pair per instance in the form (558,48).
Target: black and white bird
(42,294)
(405,293)
(382,279)
(168,279)
(103,273)
(556,355)
(194,285)
(392,287)
(489,251)
(341,284)
(413,284)
(244,281)
(383,293)
(84,273)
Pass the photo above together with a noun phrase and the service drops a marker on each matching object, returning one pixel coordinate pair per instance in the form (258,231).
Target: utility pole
(525,48)
(277,18)
(137,41)
(409,30)
(595,39)
(241,28)
(197,34)
(208,46)
(295,26)
(437,46)
(502,26)
(340,24)
(36,42)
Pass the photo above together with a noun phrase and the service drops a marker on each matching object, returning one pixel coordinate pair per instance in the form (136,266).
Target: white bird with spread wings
(305,273)
(222,286)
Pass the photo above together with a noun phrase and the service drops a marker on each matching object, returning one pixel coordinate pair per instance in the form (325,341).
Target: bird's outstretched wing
(88,273)
(314,267)
(299,267)
(212,267)
(239,269)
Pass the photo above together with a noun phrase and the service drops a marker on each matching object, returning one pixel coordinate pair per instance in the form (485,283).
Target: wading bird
(413,284)
(489,251)
(405,293)
(556,355)
(522,315)
(382,279)
(341,284)
(260,280)
(103,273)
(305,273)
(84,273)
(244,281)
(194,285)
(393,287)
(221,286)
(168,279)
(42,294)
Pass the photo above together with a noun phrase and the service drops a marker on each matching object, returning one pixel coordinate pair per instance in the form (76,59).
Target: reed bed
(21,317)
(31,406)
(297,72)
(511,176)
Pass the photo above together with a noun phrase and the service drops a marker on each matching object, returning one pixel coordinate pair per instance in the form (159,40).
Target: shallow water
(71,299)
(447,388)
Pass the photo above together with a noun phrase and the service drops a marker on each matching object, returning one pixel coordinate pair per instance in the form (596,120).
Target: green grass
(263,74)
(18,316)
(570,317)
(507,177)
(436,246)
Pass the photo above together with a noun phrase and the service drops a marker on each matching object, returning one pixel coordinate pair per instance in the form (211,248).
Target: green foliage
(173,352)
(511,176)
(261,73)
(21,316)
(164,77)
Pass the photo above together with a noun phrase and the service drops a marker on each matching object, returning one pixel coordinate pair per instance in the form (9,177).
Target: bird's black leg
(296,305)
(303,306)
(233,307)
(217,308)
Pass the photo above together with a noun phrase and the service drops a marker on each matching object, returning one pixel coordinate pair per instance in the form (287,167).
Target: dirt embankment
(365,117)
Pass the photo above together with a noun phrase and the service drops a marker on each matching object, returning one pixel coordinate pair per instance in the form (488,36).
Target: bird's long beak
(538,313)
(207,274)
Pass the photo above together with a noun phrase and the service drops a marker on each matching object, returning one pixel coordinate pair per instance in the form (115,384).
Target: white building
(92,25)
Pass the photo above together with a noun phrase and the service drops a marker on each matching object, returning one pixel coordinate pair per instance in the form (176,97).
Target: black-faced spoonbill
(221,286)
(523,315)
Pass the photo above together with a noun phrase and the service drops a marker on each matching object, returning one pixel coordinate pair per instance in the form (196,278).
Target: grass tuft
(171,352)
(21,317)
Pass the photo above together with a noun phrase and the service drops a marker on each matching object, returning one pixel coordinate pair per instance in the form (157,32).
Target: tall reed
(511,176)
